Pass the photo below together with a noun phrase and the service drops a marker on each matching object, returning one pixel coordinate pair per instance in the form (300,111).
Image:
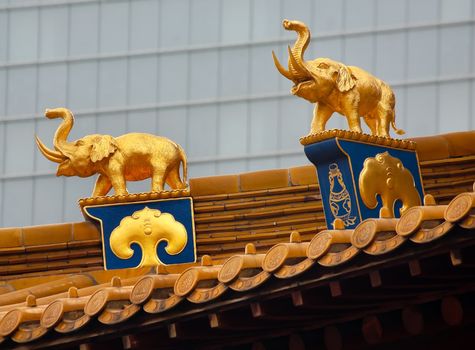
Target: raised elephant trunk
(297,71)
(61,135)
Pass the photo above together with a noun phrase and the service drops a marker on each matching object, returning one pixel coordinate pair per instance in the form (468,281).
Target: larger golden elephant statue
(130,157)
(335,87)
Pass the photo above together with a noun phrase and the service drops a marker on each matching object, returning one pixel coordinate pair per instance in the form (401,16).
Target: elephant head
(313,80)
(78,158)
(386,176)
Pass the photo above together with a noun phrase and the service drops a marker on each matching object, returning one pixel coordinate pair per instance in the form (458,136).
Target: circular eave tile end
(275,257)
(96,303)
(52,314)
(409,222)
(231,269)
(186,282)
(10,322)
(364,234)
(458,208)
(142,290)
(319,245)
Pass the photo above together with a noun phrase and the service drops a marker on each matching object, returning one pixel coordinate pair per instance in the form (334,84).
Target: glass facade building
(201,73)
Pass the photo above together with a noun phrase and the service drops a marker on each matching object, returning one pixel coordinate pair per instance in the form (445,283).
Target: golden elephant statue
(335,87)
(386,176)
(130,157)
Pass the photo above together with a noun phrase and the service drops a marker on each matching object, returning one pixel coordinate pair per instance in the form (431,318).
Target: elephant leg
(173,179)
(372,124)
(102,186)
(321,114)
(385,115)
(354,121)
(118,183)
(158,178)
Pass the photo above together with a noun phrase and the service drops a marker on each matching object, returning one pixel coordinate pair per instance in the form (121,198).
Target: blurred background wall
(200,72)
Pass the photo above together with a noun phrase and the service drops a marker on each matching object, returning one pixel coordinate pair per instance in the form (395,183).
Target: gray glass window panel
(266,22)
(293,160)
(454,106)
(143,121)
(173,77)
(390,56)
(456,10)
(174,22)
(228,167)
(3,36)
(263,163)
(359,14)
(301,11)
(114,124)
(139,186)
(472,119)
(390,13)
(75,189)
(328,16)
(144,24)
(45,129)
(203,77)
(21,96)
(84,29)
(422,60)
(264,126)
(23,30)
(113,83)
(1,204)
(233,129)
(294,123)
(17,210)
(423,11)
(48,200)
(202,131)
(325,47)
(264,75)
(114,26)
(143,80)
(82,89)
(204,22)
(172,123)
(3,92)
(53,32)
(201,169)
(2,149)
(421,110)
(401,107)
(455,50)
(359,51)
(52,86)
(235,21)
(84,125)
(234,77)
(19,147)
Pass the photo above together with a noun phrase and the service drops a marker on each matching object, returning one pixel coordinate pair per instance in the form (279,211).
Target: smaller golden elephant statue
(130,157)
(386,176)
(335,87)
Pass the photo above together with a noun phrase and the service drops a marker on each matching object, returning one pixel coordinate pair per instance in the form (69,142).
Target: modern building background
(200,72)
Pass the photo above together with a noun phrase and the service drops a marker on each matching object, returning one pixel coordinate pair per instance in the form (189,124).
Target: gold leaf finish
(335,87)
(147,228)
(130,157)
(386,176)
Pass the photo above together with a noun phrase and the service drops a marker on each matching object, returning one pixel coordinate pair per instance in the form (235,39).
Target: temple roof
(259,235)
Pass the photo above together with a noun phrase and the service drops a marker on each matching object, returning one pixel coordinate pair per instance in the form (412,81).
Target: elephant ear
(345,80)
(103,146)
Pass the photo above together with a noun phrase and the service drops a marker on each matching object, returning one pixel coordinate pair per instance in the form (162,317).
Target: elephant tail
(398,131)
(184,163)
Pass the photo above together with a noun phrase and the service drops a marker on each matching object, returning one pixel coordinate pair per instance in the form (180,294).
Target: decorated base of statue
(144,229)
(364,176)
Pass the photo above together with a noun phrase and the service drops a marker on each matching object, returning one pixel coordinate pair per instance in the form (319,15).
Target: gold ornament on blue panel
(147,228)
(340,201)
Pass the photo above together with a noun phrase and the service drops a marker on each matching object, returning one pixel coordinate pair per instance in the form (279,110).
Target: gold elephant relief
(386,176)
(148,227)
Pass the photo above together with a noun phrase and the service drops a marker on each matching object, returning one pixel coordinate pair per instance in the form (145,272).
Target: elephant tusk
(280,68)
(300,73)
(54,156)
